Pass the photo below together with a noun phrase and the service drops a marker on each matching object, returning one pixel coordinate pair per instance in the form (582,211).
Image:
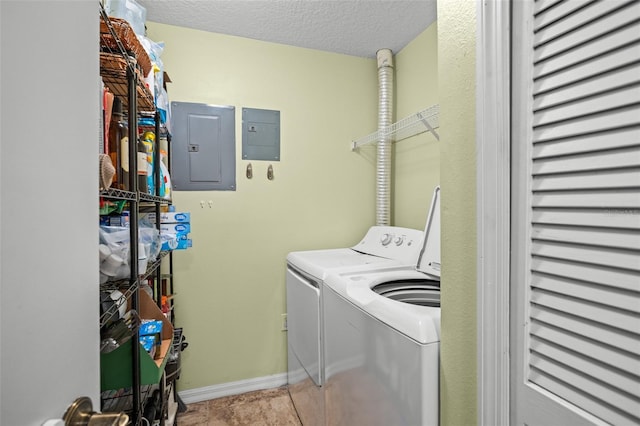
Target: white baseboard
(232,388)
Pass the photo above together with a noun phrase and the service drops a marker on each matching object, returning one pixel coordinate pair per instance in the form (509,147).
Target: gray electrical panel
(260,134)
(202,147)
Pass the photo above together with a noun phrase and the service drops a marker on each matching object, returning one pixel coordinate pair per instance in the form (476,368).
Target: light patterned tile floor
(271,407)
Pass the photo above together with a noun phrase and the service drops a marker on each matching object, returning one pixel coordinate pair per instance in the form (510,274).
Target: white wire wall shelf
(426,120)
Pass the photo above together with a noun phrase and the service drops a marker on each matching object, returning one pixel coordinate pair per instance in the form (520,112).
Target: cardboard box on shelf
(121,219)
(176,228)
(182,243)
(168,217)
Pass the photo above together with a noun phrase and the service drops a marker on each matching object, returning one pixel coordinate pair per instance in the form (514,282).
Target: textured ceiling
(351,27)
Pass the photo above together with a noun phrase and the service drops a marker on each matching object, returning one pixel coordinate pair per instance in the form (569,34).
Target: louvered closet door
(576,212)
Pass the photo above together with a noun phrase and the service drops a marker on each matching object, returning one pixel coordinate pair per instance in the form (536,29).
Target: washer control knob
(386,239)
(399,240)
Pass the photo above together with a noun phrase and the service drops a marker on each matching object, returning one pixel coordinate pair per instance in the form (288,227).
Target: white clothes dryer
(382,247)
(382,340)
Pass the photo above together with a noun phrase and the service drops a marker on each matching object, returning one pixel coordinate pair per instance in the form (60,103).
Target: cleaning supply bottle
(165,178)
(149,140)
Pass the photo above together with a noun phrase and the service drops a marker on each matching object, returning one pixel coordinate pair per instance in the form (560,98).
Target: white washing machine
(382,340)
(382,247)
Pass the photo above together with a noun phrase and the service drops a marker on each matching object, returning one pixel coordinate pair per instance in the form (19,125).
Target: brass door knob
(81,413)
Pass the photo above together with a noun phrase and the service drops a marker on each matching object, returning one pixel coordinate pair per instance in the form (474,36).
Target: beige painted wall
(231,284)
(456,78)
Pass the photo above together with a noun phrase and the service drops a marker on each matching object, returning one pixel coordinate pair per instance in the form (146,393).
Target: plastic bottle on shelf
(163,146)
(119,145)
(142,167)
(165,178)
(149,140)
(164,305)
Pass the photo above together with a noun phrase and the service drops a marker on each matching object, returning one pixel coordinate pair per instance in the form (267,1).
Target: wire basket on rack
(129,40)
(113,69)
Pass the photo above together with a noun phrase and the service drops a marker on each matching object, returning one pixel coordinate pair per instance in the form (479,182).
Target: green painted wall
(456,79)
(231,284)
(416,166)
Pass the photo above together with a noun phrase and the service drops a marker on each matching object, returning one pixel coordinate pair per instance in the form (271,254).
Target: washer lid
(429,259)
(318,263)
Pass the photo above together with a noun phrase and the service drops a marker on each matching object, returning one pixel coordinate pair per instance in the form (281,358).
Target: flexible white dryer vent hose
(385,117)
